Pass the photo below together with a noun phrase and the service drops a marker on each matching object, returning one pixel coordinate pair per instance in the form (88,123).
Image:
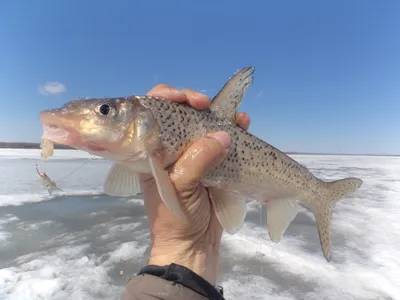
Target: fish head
(113,128)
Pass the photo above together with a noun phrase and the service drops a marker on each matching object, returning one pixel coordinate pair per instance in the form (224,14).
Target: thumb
(199,159)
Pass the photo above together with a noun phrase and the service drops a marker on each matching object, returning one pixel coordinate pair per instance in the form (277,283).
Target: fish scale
(250,160)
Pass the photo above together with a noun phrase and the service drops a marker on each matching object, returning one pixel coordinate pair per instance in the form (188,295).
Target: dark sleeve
(171,282)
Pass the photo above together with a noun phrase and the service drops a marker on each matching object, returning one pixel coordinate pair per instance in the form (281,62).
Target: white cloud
(259,94)
(52,88)
(205,90)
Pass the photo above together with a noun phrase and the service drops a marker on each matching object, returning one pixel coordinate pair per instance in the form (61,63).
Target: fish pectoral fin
(230,208)
(165,188)
(280,213)
(228,99)
(121,181)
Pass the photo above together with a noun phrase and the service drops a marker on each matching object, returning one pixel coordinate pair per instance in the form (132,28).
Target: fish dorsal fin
(228,99)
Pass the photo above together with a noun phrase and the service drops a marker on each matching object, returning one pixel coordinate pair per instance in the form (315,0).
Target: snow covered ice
(74,244)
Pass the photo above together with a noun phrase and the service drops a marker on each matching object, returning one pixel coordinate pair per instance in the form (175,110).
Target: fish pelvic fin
(229,98)
(323,207)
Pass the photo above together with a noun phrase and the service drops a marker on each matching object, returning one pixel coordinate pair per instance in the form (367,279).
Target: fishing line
(65,177)
(68,175)
(44,165)
(261,253)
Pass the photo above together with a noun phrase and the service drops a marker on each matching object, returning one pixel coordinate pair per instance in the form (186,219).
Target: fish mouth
(59,135)
(60,128)
(56,129)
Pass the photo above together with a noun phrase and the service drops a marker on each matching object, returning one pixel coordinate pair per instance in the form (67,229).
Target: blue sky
(327,72)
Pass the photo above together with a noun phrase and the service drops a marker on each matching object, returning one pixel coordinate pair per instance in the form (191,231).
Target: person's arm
(202,257)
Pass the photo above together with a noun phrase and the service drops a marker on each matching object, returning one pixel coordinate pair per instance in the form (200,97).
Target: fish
(144,135)
(45,181)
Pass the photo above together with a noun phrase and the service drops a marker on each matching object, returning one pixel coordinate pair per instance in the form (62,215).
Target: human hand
(193,242)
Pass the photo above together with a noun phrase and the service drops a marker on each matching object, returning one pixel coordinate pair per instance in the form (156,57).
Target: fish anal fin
(165,188)
(280,213)
(229,98)
(230,208)
(122,181)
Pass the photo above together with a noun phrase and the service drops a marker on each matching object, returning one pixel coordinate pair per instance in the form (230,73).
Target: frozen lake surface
(74,245)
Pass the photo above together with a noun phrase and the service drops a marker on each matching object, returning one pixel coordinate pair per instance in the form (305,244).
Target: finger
(243,121)
(199,159)
(167,92)
(196,99)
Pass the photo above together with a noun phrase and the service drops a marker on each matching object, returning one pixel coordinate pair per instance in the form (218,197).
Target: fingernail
(175,91)
(223,138)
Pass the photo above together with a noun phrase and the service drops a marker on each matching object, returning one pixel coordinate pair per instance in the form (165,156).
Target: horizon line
(32,145)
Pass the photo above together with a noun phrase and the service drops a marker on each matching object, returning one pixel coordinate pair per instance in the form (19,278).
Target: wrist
(202,258)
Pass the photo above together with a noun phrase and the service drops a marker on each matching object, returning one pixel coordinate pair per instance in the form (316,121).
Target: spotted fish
(143,134)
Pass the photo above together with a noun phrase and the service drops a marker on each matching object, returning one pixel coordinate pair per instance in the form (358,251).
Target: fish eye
(104,109)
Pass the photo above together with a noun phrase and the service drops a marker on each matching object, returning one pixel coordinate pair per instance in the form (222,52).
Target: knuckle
(211,146)
(188,92)
(162,86)
(159,88)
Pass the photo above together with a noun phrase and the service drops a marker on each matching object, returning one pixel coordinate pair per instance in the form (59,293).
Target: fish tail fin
(53,189)
(323,204)
(338,189)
